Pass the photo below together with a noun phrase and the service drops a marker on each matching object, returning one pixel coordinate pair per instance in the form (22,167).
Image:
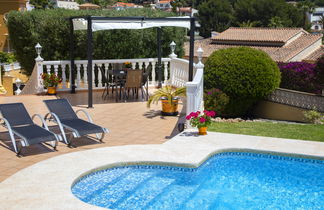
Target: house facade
(5,7)
(163,5)
(66,4)
(315,19)
(281,44)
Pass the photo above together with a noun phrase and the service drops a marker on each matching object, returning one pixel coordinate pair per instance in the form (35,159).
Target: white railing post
(165,73)
(63,76)
(78,69)
(85,75)
(153,73)
(55,70)
(172,64)
(39,67)
(99,77)
(195,89)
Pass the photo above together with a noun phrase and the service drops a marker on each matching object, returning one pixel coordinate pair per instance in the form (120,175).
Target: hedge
(244,74)
(51,29)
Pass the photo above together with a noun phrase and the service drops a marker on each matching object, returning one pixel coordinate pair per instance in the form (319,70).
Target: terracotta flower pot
(51,90)
(202,130)
(170,109)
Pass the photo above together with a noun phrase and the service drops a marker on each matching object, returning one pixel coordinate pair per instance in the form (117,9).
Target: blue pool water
(226,181)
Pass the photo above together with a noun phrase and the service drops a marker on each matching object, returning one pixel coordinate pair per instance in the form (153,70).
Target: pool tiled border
(47,184)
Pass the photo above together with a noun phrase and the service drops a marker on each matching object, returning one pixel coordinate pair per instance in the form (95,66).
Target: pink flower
(212,113)
(198,112)
(188,117)
(202,120)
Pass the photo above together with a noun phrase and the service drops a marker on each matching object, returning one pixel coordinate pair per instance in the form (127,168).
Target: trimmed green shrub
(244,74)
(51,29)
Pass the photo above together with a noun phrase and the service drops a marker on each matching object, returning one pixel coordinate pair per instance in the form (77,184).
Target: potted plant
(169,97)
(50,81)
(201,120)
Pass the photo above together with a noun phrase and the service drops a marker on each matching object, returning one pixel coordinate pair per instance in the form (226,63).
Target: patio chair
(61,112)
(134,82)
(18,122)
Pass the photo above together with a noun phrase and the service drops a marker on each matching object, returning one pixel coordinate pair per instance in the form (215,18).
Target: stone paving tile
(129,123)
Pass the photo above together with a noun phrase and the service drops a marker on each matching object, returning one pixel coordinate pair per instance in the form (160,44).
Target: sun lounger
(62,113)
(18,122)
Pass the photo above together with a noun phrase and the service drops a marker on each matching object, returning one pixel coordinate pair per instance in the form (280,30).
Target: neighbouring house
(163,5)
(186,11)
(122,5)
(5,7)
(66,4)
(315,19)
(88,6)
(281,44)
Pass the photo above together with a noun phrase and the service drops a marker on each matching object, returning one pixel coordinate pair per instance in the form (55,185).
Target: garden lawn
(310,132)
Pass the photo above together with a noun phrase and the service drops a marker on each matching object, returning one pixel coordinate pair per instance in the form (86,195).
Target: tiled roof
(316,54)
(258,34)
(278,53)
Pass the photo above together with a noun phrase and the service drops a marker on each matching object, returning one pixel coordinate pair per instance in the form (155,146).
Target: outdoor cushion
(34,134)
(83,127)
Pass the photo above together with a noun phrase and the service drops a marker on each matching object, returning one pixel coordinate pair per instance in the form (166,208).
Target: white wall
(306,52)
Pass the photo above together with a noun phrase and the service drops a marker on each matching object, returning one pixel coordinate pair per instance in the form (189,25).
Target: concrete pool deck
(47,184)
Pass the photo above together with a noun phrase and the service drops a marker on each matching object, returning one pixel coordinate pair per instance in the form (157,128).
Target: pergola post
(72,79)
(89,55)
(192,47)
(159,54)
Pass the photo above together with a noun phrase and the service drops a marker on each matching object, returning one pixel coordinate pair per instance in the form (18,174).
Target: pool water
(229,180)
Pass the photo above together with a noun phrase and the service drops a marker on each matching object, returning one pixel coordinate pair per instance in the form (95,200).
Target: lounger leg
(100,137)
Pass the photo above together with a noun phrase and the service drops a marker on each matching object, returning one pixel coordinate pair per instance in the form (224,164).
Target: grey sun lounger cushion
(34,134)
(62,108)
(23,126)
(83,127)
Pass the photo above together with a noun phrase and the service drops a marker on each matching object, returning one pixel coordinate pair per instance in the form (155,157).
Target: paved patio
(129,123)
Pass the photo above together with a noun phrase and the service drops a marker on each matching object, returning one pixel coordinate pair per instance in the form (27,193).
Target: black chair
(61,112)
(18,122)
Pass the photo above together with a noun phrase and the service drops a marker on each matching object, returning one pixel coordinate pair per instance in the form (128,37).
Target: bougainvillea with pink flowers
(200,119)
(300,76)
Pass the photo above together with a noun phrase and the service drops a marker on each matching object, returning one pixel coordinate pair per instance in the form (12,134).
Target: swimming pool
(231,180)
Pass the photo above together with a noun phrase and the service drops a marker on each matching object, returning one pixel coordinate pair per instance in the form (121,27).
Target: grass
(310,132)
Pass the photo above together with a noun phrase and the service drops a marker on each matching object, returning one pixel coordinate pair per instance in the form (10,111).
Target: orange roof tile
(278,53)
(316,54)
(257,34)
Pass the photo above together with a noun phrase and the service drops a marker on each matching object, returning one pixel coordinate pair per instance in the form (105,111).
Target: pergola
(95,23)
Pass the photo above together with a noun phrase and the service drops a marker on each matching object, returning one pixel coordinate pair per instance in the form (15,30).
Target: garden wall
(288,105)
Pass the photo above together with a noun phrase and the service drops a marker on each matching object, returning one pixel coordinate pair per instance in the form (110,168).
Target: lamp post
(173,46)
(38,49)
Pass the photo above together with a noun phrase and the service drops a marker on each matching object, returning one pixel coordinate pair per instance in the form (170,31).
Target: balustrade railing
(62,68)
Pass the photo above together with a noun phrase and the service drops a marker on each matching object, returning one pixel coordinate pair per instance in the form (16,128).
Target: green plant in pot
(169,97)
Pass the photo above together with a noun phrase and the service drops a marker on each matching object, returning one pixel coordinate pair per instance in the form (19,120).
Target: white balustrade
(99,78)
(85,75)
(153,74)
(64,86)
(165,72)
(56,70)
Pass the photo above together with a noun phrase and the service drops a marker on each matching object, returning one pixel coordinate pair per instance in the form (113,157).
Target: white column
(153,73)
(64,86)
(99,77)
(140,65)
(78,69)
(165,72)
(85,75)
(93,76)
(55,70)
(48,69)
(133,65)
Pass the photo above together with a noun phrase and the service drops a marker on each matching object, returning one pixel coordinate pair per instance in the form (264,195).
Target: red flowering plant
(51,80)
(200,119)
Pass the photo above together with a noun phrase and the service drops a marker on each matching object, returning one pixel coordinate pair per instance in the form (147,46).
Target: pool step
(128,183)
(86,190)
(172,197)
(141,196)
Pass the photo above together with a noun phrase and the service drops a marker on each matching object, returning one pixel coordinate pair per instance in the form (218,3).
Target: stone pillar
(8,85)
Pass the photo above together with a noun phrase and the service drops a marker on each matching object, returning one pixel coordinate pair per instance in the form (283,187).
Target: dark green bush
(215,100)
(51,29)
(244,74)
